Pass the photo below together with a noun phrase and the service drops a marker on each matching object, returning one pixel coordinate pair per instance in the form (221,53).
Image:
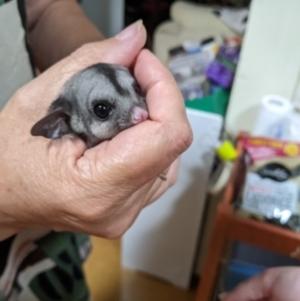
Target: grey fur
(73,111)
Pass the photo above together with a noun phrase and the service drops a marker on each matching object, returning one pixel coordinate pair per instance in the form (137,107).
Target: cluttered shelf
(256,208)
(204,71)
(232,80)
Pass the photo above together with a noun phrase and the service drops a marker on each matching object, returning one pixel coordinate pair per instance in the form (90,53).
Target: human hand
(59,184)
(276,284)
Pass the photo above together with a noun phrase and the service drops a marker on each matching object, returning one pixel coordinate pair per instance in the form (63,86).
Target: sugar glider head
(95,104)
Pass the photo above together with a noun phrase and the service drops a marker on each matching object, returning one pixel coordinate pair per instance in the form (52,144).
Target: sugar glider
(95,104)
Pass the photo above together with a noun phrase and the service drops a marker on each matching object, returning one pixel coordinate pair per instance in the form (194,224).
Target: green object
(52,271)
(65,281)
(215,103)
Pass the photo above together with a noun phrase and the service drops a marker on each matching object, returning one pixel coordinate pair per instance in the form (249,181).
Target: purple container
(222,69)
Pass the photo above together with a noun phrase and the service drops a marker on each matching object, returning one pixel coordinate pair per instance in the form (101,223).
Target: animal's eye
(102,110)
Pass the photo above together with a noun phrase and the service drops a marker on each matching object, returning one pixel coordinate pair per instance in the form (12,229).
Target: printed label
(263,196)
(264,148)
(274,171)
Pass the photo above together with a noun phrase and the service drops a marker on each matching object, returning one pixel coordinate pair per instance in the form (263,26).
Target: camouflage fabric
(43,265)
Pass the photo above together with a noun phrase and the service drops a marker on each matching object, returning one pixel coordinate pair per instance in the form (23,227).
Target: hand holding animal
(96,104)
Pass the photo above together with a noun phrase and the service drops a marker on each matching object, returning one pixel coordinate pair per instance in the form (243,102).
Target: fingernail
(222,296)
(130,31)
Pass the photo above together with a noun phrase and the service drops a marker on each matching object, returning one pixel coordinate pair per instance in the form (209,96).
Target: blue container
(238,272)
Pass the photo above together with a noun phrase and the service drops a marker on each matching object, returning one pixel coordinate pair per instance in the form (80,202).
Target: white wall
(270,60)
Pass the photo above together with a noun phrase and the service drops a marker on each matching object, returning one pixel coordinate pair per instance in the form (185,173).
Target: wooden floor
(109,282)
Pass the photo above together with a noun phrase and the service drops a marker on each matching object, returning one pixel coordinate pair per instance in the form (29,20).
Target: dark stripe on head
(111,75)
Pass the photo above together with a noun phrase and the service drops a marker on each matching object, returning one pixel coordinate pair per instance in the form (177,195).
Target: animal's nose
(139,115)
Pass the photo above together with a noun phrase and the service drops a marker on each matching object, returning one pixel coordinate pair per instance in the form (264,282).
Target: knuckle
(114,232)
(90,216)
(187,136)
(183,138)
(86,53)
(85,214)
(84,49)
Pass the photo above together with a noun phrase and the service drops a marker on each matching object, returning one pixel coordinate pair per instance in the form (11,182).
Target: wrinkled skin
(61,185)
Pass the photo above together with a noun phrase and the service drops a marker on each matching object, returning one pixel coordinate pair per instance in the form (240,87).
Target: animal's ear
(53,126)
